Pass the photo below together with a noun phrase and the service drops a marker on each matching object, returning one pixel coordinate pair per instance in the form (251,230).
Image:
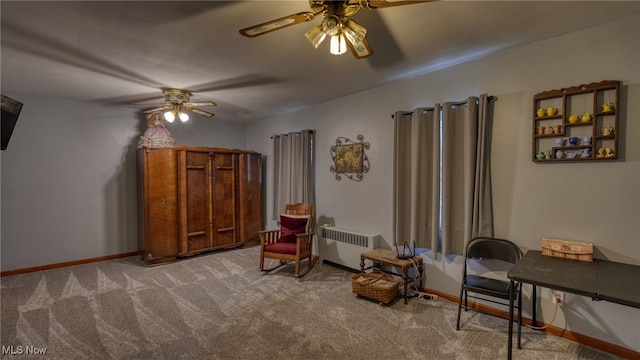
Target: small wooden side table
(390,258)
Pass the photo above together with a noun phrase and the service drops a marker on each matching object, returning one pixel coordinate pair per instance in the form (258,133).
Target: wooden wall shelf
(593,141)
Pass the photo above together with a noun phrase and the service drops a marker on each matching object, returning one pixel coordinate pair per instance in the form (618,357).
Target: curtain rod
(295,132)
(489,99)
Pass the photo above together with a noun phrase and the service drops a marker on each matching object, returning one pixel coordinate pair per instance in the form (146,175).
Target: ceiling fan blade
(202,103)
(376,4)
(277,24)
(199,112)
(360,50)
(157,109)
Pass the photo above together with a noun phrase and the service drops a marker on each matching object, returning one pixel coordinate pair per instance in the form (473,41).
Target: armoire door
(195,201)
(224,199)
(157,205)
(250,197)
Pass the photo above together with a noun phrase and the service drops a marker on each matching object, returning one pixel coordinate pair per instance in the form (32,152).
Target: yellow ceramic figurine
(609,153)
(586,117)
(573,118)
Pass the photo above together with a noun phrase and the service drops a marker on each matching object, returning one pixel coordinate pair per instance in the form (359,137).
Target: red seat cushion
(281,248)
(289,227)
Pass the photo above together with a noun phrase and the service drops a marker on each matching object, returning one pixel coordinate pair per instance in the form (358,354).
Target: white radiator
(343,247)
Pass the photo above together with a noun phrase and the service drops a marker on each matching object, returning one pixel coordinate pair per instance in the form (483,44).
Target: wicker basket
(376,286)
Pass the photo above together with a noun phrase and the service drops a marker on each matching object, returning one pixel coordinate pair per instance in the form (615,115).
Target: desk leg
(534,298)
(510,334)
(520,316)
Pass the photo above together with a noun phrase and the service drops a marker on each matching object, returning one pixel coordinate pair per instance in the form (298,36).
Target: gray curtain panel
(442,175)
(417,177)
(294,169)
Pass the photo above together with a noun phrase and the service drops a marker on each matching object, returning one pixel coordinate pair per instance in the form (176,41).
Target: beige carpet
(220,306)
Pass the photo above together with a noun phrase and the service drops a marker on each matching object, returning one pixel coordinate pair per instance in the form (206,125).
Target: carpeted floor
(220,306)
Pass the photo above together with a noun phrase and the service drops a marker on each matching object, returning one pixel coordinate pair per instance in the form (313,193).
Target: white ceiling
(122,53)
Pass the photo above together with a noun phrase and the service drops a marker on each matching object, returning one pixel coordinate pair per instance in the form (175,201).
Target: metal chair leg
(459,308)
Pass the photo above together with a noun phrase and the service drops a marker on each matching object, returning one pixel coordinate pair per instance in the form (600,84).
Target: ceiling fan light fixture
(354,32)
(338,45)
(331,25)
(169,116)
(316,36)
(176,111)
(336,23)
(177,104)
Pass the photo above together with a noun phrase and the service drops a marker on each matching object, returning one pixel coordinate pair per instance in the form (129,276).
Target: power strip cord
(555,311)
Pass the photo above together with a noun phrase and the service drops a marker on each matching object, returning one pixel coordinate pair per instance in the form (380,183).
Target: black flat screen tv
(10,110)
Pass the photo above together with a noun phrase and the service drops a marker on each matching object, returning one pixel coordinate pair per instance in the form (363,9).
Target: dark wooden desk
(618,283)
(599,280)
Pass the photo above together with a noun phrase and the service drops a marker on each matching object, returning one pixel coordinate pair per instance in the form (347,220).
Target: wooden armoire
(197,199)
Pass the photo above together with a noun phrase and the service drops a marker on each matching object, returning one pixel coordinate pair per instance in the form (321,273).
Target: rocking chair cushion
(289,227)
(281,248)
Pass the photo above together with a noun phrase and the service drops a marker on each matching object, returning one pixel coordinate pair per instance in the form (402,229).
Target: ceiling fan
(343,31)
(176,101)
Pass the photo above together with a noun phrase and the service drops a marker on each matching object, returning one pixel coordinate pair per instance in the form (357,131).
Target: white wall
(69,179)
(597,202)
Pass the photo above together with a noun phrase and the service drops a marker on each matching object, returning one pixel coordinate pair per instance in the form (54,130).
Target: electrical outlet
(557,297)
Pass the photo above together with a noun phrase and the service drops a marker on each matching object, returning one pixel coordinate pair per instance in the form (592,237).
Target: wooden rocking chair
(294,240)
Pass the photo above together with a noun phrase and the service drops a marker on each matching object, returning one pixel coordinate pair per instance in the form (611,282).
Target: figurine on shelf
(549,131)
(560,141)
(609,153)
(540,130)
(547,155)
(539,155)
(608,106)
(573,141)
(557,129)
(552,111)
(585,153)
(559,154)
(607,130)
(573,118)
(541,112)
(600,153)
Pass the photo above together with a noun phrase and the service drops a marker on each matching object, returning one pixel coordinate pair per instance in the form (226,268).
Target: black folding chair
(483,249)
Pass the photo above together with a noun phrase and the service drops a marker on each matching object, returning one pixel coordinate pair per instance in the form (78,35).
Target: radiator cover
(343,247)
